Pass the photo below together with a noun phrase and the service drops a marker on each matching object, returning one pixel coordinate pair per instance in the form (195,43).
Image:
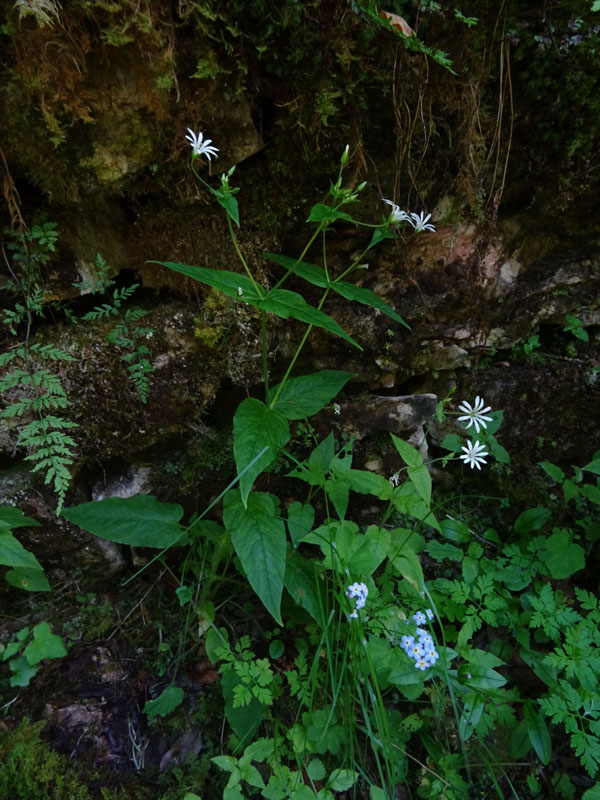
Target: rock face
(94,113)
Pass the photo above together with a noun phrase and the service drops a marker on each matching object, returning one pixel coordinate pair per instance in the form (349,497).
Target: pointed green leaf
(167,701)
(532,520)
(31,580)
(307,394)
(13,554)
(500,453)
(303,583)
(520,743)
(537,732)
(255,427)
(141,520)
(367,298)
(367,482)
(227,201)
(455,530)
(300,521)
(316,275)
(291,304)
(322,213)
(258,536)
(408,566)
(593,466)
(381,233)
(11,517)
(227,282)
(310,272)
(338,491)
(422,481)
(410,456)
(407,500)
(553,471)
(472,711)
(477,676)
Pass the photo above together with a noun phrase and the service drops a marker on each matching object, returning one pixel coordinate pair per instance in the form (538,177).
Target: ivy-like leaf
(561,555)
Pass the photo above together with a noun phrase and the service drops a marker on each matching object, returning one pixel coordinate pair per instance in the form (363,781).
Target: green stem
(298,260)
(297,353)
(263,332)
(257,288)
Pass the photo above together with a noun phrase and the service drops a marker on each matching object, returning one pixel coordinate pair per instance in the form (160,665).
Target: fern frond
(51,352)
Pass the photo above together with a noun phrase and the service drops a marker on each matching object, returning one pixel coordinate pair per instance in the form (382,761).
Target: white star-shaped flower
(420,222)
(474,454)
(397,214)
(201,148)
(473,414)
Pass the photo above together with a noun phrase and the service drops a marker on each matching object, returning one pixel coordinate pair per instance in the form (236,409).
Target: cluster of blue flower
(421,647)
(359,593)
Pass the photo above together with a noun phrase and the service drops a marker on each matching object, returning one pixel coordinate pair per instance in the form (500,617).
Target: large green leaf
(280,302)
(520,743)
(417,471)
(316,275)
(258,535)
(344,546)
(561,555)
(255,427)
(307,394)
(532,519)
(367,482)
(167,701)
(304,585)
(11,517)
(141,520)
(472,711)
(13,554)
(31,580)
(227,282)
(300,521)
(406,500)
(408,566)
(477,676)
(291,304)
(537,732)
